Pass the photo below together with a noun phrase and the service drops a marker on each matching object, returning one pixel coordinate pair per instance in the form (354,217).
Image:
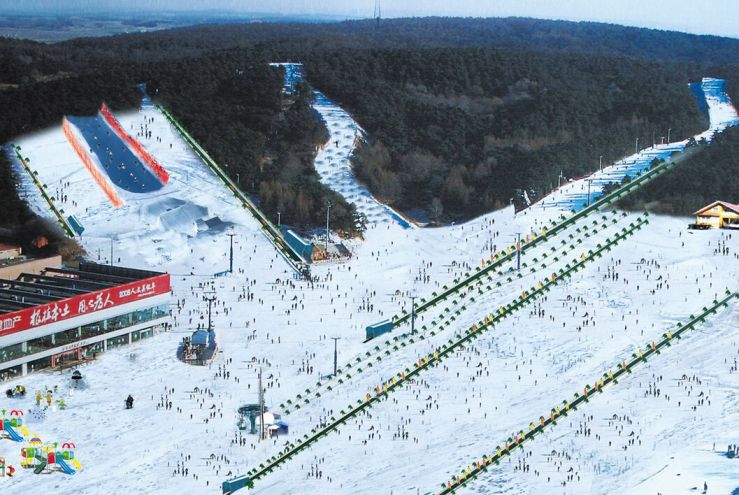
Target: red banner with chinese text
(83,304)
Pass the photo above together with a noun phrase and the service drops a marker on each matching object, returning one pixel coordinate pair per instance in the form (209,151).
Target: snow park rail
(104,184)
(557,228)
(424,363)
(59,214)
(295,260)
(135,146)
(447,316)
(610,377)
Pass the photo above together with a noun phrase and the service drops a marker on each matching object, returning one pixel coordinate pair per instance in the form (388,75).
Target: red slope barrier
(135,146)
(101,180)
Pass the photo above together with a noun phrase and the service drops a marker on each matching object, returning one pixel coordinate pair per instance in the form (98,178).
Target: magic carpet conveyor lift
(234,484)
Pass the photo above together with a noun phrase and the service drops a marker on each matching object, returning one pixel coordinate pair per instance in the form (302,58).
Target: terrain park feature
(12,427)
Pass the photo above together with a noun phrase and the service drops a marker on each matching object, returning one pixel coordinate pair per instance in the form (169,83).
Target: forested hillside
(20,226)
(459,123)
(37,87)
(707,175)
(230,101)
(298,39)
(460,131)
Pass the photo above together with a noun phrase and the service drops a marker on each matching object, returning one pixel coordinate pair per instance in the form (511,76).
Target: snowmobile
(18,392)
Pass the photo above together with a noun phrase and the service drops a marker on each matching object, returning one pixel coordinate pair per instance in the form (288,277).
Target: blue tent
(200,337)
(378,329)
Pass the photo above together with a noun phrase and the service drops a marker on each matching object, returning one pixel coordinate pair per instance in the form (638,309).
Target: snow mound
(183,218)
(160,206)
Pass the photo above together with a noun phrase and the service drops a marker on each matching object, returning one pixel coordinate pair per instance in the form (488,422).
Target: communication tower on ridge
(378,12)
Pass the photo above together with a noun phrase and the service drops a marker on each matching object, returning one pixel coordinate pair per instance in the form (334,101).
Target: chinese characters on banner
(83,304)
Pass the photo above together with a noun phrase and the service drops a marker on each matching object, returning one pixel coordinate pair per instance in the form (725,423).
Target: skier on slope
(129,402)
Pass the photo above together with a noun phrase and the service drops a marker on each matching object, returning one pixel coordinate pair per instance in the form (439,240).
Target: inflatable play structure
(5,469)
(12,427)
(49,458)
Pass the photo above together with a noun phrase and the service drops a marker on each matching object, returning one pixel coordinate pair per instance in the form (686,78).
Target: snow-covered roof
(270,418)
(725,204)
(58,284)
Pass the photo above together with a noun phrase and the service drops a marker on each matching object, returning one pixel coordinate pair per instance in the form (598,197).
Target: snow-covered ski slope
(421,435)
(573,195)
(333,161)
(160,225)
(453,414)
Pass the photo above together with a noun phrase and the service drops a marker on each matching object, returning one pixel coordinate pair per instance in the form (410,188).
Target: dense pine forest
(460,132)
(298,39)
(462,114)
(230,101)
(232,104)
(706,175)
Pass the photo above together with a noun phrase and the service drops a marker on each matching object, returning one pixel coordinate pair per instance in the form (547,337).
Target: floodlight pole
(261,407)
(413,314)
(231,254)
(210,300)
(336,353)
(589,182)
(328,213)
(518,251)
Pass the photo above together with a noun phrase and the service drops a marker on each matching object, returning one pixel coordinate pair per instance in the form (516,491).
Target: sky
(717,17)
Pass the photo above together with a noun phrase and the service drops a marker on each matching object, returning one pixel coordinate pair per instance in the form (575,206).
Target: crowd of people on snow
(485,371)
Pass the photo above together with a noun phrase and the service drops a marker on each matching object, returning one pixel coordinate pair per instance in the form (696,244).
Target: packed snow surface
(661,429)
(333,161)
